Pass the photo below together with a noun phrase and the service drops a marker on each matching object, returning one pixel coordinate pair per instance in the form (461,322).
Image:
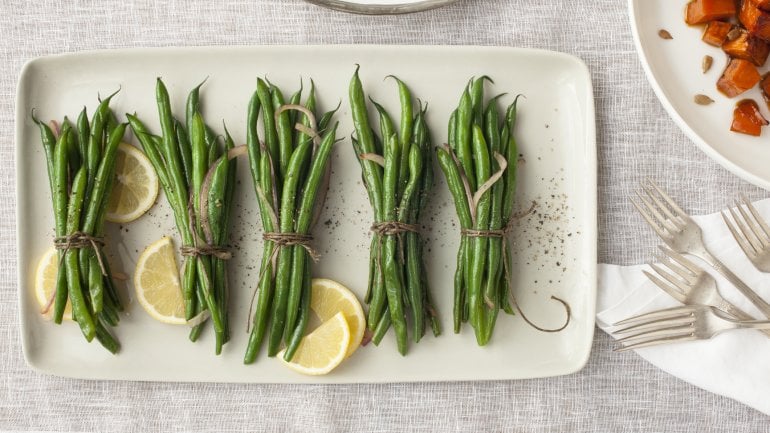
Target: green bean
(106,170)
(170,150)
(59,182)
(304,316)
(204,268)
(310,104)
(492,134)
(106,339)
(84,131)
(268,118)
(286,223)
(365,136)
(512,156)
(386,123)
(477,98)
(454,181)
(393,283)
(49,144)
(479,244)
(252,136)
(295,99)
(405,131)
(192,106)
(232,178)
(413,287)
(185,150)
(376,292)
(327,118)
(463,131)
(382,327)
(73,146)
(79,304)
(153,154)
(265,293)
(283,128)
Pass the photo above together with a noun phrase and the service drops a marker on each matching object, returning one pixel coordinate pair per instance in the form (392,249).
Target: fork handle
(741,315)
(753,324)
(720,267)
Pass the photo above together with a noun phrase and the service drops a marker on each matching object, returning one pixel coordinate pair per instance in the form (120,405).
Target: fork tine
(745,246)
(654,197)
(667,223)
(748,235)
(672,339)
(647,217)
(752,224)
(660,330)
(678,269)
(671,278)
(668,199)
(672,291)
(659,314)
(757,217)
(682,260)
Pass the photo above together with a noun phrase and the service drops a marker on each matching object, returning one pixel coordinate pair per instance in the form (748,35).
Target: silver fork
(683,235)
(751,232)
(673,325)
(686,282)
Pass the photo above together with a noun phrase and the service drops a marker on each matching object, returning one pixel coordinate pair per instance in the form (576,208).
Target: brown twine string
(79,240)
(219,252)
(389,228)
(280,240)
(392,228)
(290,239)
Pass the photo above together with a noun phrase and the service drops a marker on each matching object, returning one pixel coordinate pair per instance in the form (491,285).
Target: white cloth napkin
(735,364)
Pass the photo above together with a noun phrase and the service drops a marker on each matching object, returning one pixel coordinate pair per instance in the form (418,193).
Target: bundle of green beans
(479,164)
(397,170)
(290,171)
(198,179)
(81,171)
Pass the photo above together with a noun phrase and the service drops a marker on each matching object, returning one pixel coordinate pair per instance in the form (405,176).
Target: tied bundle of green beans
(479,164)
(290,171)
(198,178)
(81,171)
(397,171)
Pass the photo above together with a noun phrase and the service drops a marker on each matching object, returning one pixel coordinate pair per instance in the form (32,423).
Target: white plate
(382,7)
(556,248)
(673,68)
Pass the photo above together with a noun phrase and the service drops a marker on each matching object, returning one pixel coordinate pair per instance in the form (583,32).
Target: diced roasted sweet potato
(764,86)
(703,11)
(747,47)
(739,76)
(747,119)
(716,32)
(756,21)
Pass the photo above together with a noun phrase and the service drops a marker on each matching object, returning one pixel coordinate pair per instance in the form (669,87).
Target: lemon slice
(329,298)
(45,284)
(323,349)
(135,188)
(156,281)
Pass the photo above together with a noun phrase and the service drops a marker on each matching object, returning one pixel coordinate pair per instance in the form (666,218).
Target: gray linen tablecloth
(614,393)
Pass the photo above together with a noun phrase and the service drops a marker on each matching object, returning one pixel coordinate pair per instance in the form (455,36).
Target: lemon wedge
(156,281)
(135,188)
(329,298)
(45,284)
(322,350)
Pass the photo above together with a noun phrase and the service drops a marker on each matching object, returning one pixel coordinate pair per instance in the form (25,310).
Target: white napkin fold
(735,364)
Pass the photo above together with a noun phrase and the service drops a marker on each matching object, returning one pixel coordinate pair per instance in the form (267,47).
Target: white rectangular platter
(554,248)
